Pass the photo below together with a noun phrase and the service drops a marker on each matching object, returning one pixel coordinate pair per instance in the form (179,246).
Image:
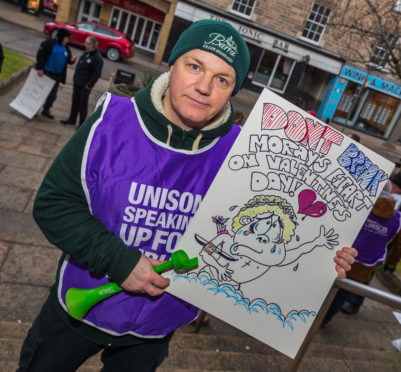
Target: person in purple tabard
(381,227)
(119,196)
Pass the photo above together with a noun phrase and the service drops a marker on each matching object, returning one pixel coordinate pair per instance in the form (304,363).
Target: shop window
(381,54)
(348,103)
(155,36)
(131,24)
(316,23)
(243,7)
(368,110)
(382,109)
(114,18)
(123,22)
(138,32)
(143,31)
(273,71)
(89,11)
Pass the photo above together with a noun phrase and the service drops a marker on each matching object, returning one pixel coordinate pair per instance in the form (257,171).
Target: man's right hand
(144,279)
(40,72)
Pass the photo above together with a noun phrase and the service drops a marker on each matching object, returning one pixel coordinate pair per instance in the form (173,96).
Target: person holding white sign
(119,197)
(52,59)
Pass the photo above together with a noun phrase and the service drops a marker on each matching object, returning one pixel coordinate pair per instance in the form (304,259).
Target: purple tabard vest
(145,192)
(375,235)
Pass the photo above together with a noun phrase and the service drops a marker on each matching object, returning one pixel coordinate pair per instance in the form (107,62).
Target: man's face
(65,40)
(395,189)
(200,85)
(88,45)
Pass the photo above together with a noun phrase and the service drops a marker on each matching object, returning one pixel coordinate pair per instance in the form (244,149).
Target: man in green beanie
(115,199)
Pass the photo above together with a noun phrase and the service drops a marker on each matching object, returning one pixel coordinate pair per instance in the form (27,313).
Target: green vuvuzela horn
(80,301)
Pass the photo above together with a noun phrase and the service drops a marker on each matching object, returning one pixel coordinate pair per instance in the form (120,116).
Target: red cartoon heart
(308,206)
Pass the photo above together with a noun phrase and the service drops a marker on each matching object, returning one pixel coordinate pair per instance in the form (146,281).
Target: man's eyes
(194,67)
(222,80)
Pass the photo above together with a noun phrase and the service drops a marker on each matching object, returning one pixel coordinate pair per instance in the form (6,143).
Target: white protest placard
(33,94)
(291,191)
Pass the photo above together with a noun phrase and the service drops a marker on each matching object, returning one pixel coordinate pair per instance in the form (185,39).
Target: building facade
(293,51)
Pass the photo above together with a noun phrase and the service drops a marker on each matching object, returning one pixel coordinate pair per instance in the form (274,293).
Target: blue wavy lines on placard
(256,306)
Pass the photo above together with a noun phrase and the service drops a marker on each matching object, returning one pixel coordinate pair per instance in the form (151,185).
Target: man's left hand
(345,257)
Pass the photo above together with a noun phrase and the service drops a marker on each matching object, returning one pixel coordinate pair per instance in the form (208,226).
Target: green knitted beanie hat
(219,38)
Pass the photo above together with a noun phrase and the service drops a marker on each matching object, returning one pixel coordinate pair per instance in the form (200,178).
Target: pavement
(361,342)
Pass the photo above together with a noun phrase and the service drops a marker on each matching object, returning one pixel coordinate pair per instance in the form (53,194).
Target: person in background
(381,227)
(355,137)
(51,60)
(239,118)
(313,113)
(127,149)
(1,56)
(396,183)
(87,72)
(394,252)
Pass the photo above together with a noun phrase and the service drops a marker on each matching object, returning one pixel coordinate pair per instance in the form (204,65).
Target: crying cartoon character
(261,231)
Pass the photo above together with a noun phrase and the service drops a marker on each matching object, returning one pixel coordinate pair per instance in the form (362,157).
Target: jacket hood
(384,208)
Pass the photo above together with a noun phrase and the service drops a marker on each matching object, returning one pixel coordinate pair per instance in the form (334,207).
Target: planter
(123,90)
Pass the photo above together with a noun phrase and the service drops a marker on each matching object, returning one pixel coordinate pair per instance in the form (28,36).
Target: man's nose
(204,84)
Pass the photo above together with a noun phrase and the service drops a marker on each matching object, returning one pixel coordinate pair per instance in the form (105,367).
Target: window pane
(281,74)
(87,6)
(114,18)
(265,68)
(318,18)
(155,37)
(146,34)
(123,21)
(138,30)
(243,6)
(131,24)
(96,11)
(381,53)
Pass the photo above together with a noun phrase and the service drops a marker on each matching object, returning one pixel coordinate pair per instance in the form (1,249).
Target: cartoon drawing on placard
(291,191)
(261,233)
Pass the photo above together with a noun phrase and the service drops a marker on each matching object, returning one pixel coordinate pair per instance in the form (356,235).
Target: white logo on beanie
(226,45)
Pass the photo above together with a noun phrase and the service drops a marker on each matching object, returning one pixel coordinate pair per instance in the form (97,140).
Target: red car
(113,43)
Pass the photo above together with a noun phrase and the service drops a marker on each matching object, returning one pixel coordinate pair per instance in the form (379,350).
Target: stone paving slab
(323,365)
(30,265)
(4,248)
(22,160)
(18,177)
(21,302)
(20,227)
(361,366)
(14,199)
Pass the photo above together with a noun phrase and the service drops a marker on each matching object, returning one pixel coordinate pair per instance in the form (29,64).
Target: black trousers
(53,93)
(80,98)
(51,345)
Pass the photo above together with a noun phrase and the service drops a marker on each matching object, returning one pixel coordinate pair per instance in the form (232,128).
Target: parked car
(113,43)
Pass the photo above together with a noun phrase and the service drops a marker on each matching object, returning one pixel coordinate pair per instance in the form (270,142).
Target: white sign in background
(290,193)
(33,94)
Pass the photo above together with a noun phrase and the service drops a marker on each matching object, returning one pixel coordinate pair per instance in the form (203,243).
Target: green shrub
(147,77)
